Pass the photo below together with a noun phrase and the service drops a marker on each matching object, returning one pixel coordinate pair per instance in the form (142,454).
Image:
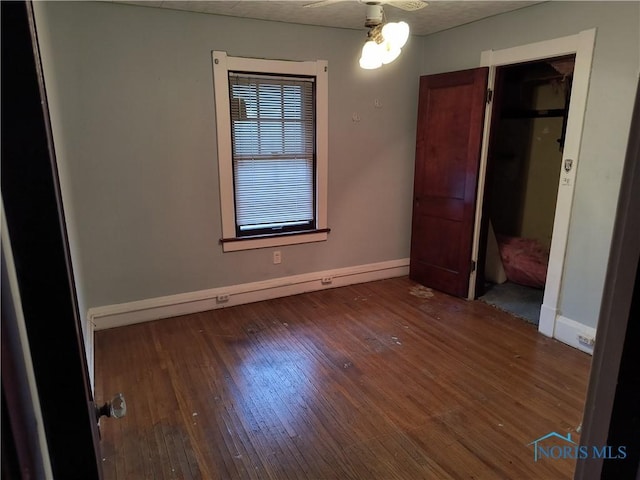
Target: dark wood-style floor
(363,382)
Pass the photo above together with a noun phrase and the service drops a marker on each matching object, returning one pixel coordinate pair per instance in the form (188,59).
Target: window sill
(265,241)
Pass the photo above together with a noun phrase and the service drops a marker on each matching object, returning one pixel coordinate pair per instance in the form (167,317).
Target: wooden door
(40,250)
(450,119)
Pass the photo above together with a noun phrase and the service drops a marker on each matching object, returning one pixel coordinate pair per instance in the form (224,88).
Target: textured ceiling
(437,16)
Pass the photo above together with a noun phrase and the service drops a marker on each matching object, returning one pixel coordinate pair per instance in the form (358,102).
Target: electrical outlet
(586,340)
(326,280)
(223,297)
(277,257)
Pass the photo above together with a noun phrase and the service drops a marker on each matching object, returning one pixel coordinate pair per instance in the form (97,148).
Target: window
(273,149)
(271,121)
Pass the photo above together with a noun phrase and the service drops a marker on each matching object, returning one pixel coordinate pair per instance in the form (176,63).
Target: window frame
(222,64)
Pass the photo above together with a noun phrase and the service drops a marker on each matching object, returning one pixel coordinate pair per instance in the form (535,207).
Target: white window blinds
(273,136)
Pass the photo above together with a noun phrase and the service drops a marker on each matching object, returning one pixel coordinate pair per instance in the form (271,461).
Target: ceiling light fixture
(384,44)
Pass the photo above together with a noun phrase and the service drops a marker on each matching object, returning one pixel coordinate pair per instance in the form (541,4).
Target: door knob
(116,408)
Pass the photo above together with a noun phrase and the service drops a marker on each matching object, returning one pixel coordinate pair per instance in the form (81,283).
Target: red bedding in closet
(524,259)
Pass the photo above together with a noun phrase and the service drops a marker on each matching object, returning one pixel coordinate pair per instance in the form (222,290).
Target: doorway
(551,323)
(529,119)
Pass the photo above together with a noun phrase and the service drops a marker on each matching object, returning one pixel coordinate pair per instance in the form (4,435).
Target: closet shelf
(527,113)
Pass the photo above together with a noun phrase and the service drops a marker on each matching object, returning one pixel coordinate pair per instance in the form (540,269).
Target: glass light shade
(387,53)
(371,56)
(396,33)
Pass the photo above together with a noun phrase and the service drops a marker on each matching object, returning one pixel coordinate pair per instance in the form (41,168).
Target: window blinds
(273,135)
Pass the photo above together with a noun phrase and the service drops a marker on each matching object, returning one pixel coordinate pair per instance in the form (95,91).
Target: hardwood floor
(362,382)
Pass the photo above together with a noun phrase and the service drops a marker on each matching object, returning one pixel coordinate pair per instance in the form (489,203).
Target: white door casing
(582,45)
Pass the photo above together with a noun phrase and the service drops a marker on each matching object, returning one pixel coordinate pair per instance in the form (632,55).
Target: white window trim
(222,64)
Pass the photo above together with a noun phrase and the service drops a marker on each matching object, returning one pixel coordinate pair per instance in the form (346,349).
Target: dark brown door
(46,289)
(450,118)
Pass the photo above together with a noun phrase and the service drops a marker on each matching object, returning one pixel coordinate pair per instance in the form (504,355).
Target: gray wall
(610,102)
(132,108)
(133,117)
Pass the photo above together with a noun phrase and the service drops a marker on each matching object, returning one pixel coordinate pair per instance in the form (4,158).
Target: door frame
(582,45)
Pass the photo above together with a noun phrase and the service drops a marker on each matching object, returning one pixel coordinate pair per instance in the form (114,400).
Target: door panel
(448,140)
(36,229)
(431,249)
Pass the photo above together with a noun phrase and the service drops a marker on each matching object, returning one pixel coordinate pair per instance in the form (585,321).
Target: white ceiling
(437,16)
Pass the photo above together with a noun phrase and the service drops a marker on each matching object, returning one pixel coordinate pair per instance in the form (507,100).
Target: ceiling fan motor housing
(374,14)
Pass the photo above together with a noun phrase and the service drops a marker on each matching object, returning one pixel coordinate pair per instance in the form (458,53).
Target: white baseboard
(112,316)
(564,329)
(567,331)
(90,352)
